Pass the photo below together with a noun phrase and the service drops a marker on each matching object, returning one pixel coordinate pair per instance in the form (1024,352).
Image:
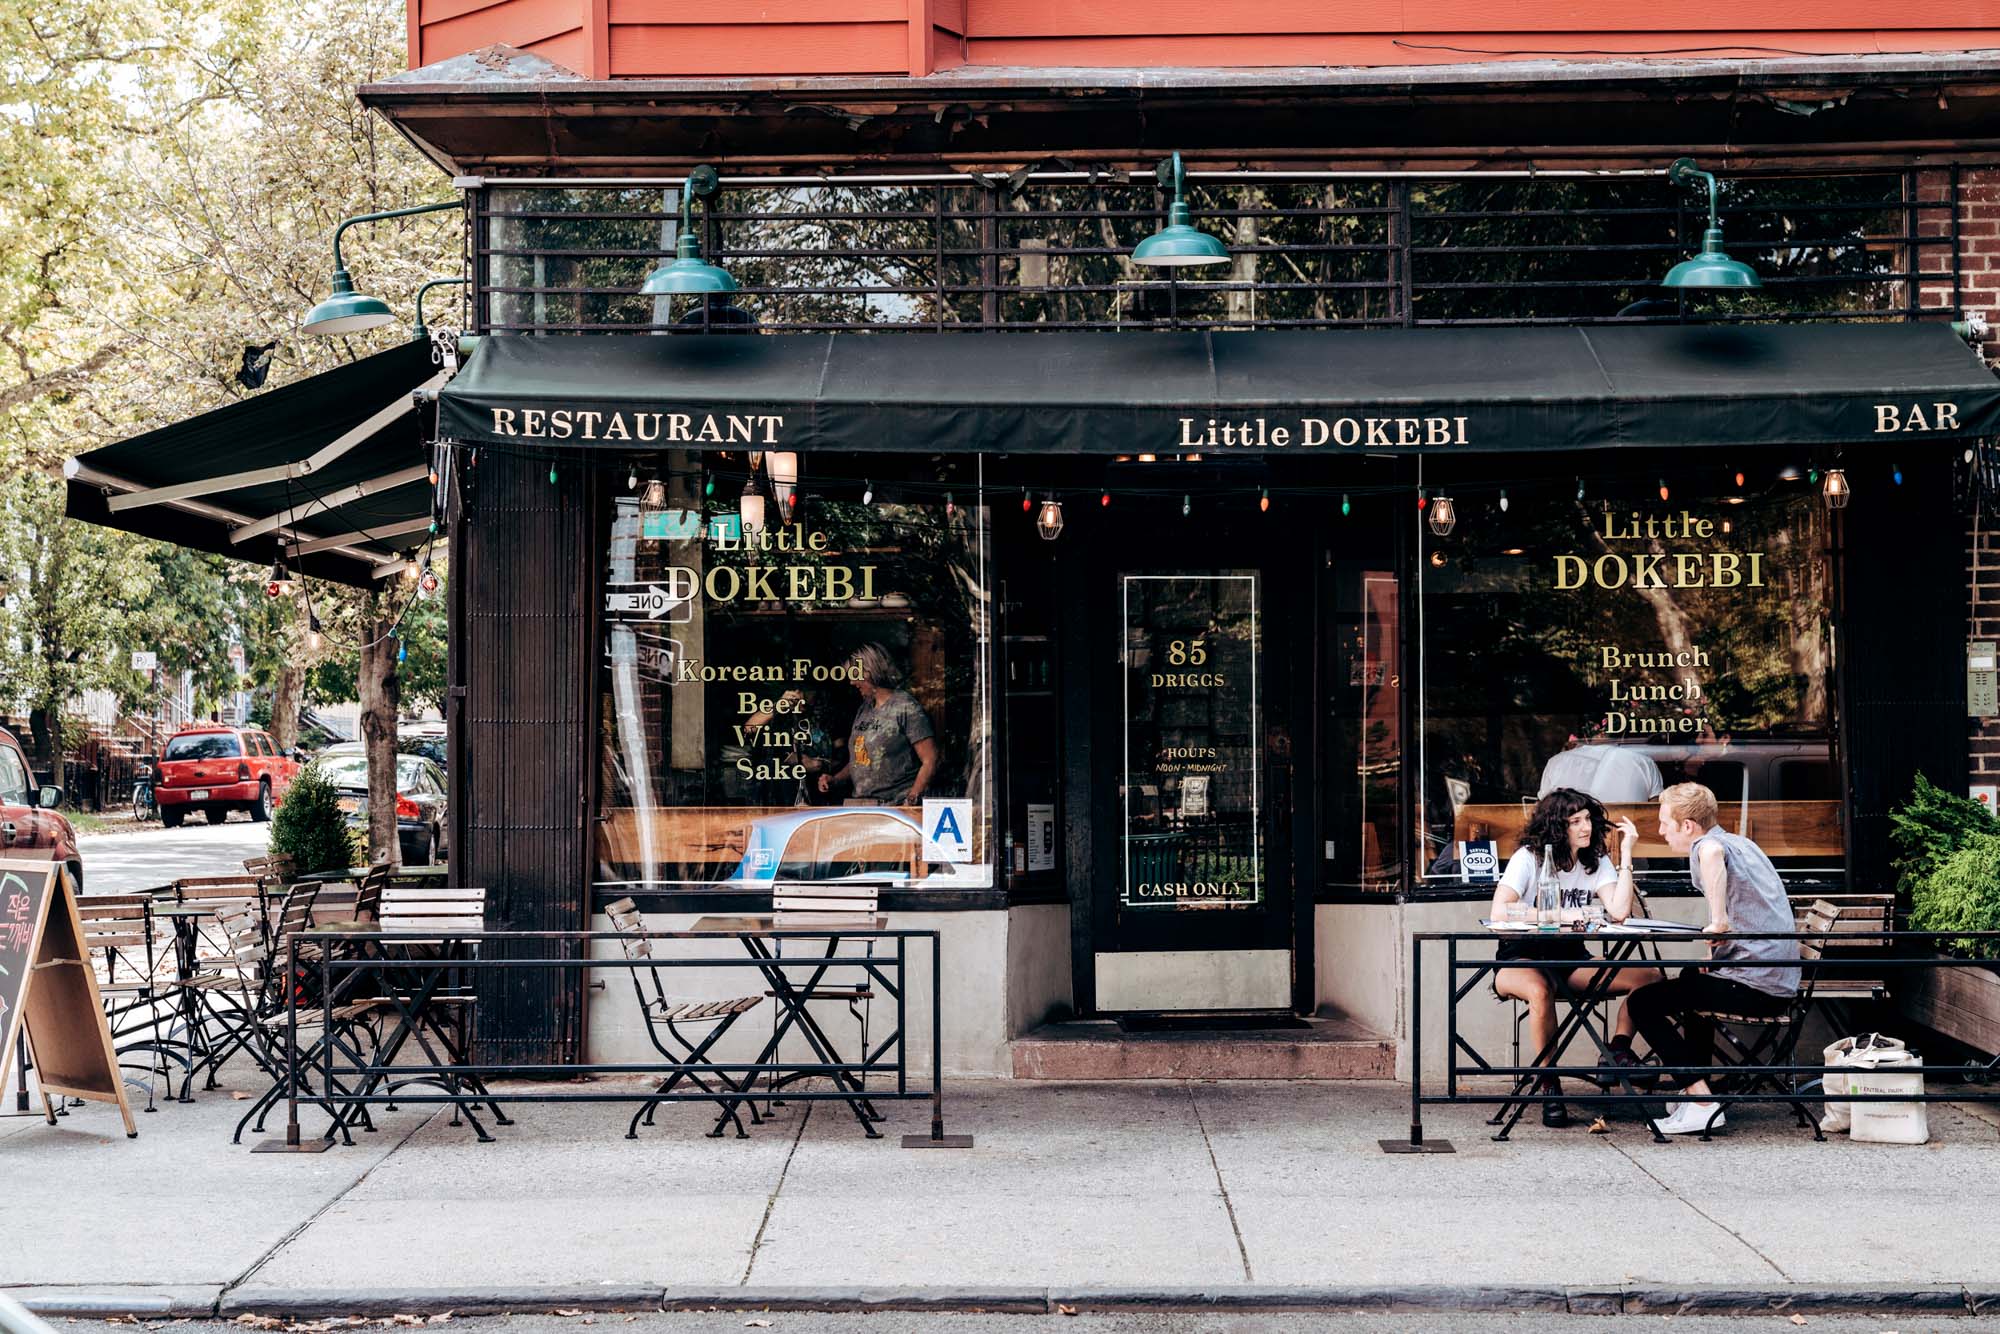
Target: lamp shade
(347,311)
(1712,269)
(1179,243)
(688,274)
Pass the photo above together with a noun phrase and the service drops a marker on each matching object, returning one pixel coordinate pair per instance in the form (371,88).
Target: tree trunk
(287,693)
(378,733)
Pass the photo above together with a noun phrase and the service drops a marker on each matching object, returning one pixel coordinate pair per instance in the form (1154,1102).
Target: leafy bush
(1930,828)
(310,828)
(1962,893)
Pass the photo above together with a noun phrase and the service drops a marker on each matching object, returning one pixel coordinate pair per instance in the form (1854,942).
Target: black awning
(334,467)
(1442,390)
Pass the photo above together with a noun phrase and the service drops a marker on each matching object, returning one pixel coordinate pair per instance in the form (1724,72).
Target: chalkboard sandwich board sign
(46,984)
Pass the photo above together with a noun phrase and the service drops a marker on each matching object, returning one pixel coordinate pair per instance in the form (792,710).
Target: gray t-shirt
(1755,901)
(882,753)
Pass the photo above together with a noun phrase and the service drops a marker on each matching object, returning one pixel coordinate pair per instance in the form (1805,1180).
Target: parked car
(835,844)
(216,770)
(30,826)
(420,800)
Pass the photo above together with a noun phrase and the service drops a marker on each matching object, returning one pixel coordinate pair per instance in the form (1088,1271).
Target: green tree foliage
(310,828)
(1929,828)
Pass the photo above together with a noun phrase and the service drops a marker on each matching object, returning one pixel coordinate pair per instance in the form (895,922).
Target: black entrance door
(1196,639)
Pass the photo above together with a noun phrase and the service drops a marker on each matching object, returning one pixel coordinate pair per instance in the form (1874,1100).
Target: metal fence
(1051,253)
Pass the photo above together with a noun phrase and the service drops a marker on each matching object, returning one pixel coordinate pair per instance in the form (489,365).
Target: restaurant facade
(1179,639)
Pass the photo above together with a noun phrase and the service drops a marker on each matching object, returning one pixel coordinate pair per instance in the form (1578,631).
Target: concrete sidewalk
(1098,1195)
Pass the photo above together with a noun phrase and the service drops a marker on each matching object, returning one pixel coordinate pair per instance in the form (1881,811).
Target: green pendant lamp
(1713,269)
(1178,244)
(688,274)
(348,311)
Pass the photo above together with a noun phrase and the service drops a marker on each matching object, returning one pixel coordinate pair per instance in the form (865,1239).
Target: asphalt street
(122,863)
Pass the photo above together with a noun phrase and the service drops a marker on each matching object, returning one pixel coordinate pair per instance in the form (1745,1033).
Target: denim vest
(1755,901)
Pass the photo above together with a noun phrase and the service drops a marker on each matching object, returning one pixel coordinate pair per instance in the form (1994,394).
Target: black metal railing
(408,974)
(1306,252)
(1895,955)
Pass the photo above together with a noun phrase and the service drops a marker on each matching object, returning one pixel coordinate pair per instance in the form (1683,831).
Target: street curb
(1641,1297)
(1261,1297)
(1860,1299)
(146,1302)
(810,1297)
(323,1303)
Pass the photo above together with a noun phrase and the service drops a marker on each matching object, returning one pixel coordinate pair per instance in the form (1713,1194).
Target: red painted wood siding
(669,38)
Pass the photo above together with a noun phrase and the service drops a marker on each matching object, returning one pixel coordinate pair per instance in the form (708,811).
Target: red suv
(29,824)
(217,770)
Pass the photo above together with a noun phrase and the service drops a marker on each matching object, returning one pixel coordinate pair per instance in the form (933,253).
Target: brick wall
(1979,290)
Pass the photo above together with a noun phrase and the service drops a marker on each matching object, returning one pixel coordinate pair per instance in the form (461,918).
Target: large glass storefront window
(1671,631)
(796,682)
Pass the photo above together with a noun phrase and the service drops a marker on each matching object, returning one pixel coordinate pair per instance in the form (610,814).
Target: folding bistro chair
(118,935)
(672,1015)
(278,867)
(235,1000)
(430,1002)
(819,906)
(1760,1039)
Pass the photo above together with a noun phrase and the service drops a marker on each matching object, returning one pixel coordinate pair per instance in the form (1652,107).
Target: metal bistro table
(461,1076)
(762,935)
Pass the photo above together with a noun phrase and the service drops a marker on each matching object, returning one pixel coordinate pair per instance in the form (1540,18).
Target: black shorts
(1543,950)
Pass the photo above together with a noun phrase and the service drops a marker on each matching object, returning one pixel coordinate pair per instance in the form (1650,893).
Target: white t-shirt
(1541,885)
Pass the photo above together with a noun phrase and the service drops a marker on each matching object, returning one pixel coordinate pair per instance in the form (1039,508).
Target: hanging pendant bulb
(653,500)
(1834,489)
(1444,516)
(784,472)
(1346,506)
(751,509)
(1503,500)
(756,460)
(1049,522)
(1263,500)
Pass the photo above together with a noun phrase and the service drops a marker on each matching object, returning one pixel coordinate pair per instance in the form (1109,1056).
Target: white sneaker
(1689,1118)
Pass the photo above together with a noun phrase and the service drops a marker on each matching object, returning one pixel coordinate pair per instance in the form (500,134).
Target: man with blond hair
(1745,897)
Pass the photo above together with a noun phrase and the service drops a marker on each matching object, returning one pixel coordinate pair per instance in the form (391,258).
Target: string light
(950,506)
(1503,500)
(632,478)
(1104,500)
(1579,488)
(1739,481)
(1186,505)
(552,474)
(313,639)
(1346,506)
(750,508)
(1026,505)
(1896,473)
(1812,475)
(1663,488)
(1263,500)
(867,492)
(1423,501)
(708,486)
(1049,522)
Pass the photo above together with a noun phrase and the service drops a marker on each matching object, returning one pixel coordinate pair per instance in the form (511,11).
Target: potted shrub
(1948,868)
(310,828)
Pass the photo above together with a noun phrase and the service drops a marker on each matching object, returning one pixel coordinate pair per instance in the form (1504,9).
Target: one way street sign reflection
(649,600)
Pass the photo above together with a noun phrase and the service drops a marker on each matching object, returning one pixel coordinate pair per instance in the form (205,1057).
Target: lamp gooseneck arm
(434,282)
(1180,178)
(345,223)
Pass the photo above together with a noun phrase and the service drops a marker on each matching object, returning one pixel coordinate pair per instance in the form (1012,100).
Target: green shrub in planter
(1930,828)
(1962,893)
(310,828)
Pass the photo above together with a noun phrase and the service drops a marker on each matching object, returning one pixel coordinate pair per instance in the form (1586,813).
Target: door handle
(9,831)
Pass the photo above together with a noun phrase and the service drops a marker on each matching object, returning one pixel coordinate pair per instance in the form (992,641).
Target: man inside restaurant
(1745,897)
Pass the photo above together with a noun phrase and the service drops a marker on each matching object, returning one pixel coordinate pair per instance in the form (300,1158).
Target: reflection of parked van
(1751,769)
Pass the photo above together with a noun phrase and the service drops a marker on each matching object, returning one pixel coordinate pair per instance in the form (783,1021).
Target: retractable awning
(1416,390)
(332,469)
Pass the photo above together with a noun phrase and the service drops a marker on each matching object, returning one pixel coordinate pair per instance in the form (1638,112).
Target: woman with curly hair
(1565,861)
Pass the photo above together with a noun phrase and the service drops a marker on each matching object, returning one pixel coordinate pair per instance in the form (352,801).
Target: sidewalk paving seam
(1229,1207)
(1697,1210)
(757,1242)
(319,1213)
